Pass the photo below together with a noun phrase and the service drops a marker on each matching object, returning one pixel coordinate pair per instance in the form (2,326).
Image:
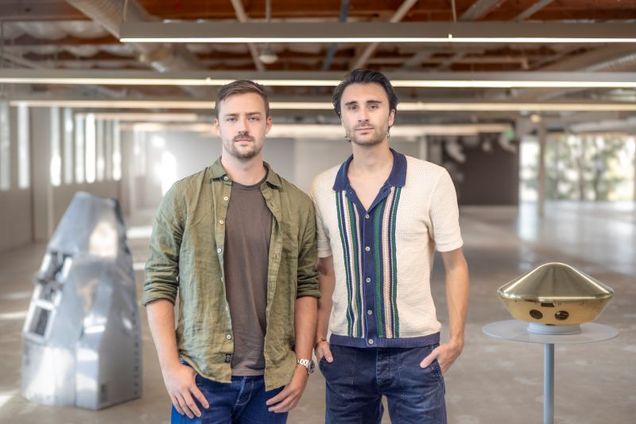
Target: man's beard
(242,153)
(376,137)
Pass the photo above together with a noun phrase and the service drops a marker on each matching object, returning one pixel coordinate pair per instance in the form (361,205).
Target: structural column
(541,171)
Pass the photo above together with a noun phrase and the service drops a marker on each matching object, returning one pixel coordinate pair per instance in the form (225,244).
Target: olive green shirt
(186,257)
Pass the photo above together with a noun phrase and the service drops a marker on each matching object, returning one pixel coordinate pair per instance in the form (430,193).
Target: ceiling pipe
(161,57)
(331,52)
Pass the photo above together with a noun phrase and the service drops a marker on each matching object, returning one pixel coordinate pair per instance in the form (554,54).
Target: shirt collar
(273,179)
(397,177)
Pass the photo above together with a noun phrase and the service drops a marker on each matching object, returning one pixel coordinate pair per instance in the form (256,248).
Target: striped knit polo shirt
(383,256)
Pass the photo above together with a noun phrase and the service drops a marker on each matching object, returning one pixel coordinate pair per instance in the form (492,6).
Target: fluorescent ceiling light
(326,79)
(451,106)
(300,131)
(376,32)
(147,117)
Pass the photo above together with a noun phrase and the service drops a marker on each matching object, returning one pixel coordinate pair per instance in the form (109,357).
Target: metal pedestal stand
(520,331)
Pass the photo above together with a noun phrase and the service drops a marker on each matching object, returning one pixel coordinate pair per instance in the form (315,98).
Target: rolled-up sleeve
(307,257)
(162,267)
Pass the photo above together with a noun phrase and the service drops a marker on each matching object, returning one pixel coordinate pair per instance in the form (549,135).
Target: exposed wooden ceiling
(32,39)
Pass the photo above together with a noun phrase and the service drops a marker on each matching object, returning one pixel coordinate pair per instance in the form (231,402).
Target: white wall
(172,155)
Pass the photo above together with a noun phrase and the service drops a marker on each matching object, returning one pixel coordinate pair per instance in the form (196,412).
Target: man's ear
(268,124)
(391,117)
(215,125)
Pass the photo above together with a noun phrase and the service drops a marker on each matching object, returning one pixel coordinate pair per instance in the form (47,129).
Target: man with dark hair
(237,243)
(380,217)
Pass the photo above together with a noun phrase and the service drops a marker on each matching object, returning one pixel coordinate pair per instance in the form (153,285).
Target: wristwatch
(307,363)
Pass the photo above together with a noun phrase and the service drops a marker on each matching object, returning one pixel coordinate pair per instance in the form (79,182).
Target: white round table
(517,331)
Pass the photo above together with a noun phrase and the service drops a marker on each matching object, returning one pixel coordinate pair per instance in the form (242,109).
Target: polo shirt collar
(397,177)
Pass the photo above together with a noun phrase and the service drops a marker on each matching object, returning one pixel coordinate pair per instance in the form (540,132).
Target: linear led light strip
(448,39)
(378,32)
(288,105)
(323,83)
(336,131)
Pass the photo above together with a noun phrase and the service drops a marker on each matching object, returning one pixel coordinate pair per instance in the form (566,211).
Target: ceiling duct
(161,57)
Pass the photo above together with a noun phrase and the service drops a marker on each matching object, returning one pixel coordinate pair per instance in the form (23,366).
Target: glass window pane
(90,147)
(68,146)
(24,162)
(56,157)
(99,149)
(5,147)
(116,151)
(79,148)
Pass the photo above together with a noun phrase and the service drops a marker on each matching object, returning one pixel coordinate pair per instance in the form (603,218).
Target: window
(100,165)
(90,132)
(68,146)
(79,149)
(116,151)
(5,147)
(24,161)
(55,166)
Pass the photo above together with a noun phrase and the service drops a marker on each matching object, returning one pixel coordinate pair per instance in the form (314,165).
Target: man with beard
(380,216)
(238,244)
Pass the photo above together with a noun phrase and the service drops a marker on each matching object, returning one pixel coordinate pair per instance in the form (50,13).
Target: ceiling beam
(478,10)
(321,79)
(322,103)
(365,54)
(242,17)
(532,10)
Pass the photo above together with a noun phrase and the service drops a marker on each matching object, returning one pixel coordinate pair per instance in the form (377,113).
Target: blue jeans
(241,401)
(358,378)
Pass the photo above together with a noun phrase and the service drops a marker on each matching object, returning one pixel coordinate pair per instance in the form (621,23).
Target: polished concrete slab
(493,382)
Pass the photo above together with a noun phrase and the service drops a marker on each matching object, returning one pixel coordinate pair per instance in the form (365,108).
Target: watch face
(308,364)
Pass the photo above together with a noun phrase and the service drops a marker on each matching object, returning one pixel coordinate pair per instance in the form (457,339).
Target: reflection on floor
(493,381)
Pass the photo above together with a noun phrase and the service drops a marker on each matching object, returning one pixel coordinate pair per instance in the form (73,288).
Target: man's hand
(445,354)
(182,388)
(323,351)
(289,397)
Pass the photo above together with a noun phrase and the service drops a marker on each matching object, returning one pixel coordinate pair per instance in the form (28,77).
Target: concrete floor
(493,381)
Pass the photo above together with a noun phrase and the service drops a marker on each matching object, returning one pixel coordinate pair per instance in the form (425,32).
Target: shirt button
(370,341)
(367,249)
(228,358)
(226,198)
(221,221)
(368,279)
(228,336)
(367,216)
(225,178)
(219,250)
(369,312)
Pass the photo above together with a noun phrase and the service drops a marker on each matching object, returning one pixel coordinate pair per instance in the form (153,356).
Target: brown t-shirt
(248,227)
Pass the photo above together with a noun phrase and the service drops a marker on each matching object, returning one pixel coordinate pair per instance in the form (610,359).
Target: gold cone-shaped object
(555,294)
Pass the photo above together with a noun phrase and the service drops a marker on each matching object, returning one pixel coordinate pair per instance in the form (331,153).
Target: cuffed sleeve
(162,267)
(307,258)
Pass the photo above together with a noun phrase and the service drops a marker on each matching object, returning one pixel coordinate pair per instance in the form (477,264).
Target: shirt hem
(402,342)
